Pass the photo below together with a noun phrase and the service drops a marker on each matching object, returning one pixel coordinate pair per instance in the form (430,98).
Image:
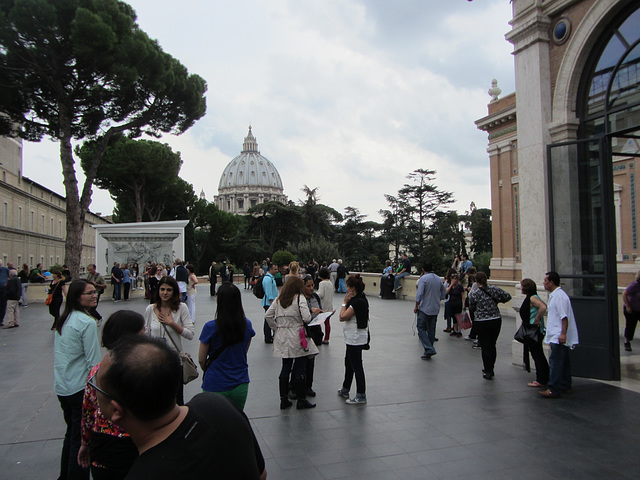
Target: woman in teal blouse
(532,311)
(76,351)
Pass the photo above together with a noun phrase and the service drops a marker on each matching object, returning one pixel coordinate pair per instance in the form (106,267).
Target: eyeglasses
(92,382)
(92,292)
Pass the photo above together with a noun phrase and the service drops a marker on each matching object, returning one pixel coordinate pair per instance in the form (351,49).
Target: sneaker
(356,401)
(343,394)
(627,346)
(453,334)
(448,330)
(398,288)
(468,338)
(476,347)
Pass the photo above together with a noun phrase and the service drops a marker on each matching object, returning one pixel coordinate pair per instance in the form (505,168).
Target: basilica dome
(248,180)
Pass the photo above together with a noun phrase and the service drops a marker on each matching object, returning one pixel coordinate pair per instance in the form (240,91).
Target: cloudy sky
(345,95)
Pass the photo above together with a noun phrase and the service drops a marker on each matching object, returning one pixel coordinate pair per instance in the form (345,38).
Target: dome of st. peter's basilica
(248,180)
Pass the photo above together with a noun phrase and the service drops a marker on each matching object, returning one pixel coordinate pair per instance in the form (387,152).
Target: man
(333,273)
(36,276)
(430,292)
(406,270)
(181,274)
(270,294)
(4,278)
(13,293)
(224,272)
(562,336)
(136,387)
(465,265)
(101,286)
(116,280)
(341,274)
(213,279)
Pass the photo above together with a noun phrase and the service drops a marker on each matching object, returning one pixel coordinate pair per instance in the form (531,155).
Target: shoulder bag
(189,368)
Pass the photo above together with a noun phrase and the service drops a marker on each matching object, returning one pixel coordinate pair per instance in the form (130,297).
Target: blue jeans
(560,368)
(117,288)
(427,331)
(396,282)
(342,288)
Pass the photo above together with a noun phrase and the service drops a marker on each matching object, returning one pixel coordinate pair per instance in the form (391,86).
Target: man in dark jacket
(13,292)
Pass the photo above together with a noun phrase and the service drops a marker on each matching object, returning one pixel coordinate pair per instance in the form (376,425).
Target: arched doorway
(585,236)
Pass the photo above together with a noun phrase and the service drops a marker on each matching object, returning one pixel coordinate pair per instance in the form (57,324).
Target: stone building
(248,180)
(562,151)
(33,218)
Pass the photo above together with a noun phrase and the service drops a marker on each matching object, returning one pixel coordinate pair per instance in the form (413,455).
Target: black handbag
(528,334)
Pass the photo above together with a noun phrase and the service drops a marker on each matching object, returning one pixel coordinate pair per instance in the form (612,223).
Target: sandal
(534,384)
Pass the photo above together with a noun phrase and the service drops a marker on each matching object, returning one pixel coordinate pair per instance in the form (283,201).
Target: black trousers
(631,318)
(488,332)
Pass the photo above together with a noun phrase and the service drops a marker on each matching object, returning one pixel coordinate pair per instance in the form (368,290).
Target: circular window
(561,31)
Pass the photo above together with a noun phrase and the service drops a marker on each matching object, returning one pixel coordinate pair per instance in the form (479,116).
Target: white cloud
(345,96)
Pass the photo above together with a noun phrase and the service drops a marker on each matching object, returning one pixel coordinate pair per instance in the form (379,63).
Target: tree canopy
(83,69)
(139,175)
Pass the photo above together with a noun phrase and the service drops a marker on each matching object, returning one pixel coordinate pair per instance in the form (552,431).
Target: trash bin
(387,287)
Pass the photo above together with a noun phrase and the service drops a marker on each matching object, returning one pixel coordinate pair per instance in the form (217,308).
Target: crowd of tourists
(111,417)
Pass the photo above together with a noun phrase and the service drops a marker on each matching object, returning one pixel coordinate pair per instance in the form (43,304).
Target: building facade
(249,180)
(33,218)
(562,153)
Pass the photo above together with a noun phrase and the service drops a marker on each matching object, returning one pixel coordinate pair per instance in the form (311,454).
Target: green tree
(139,175)
(82,69)
(447,232)
(282,257)
(420,200)
(275,223)
(318,219)
(478,220)
(318,248)
(213,232)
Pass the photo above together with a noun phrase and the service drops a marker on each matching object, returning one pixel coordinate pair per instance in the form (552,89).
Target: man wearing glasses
(209,437)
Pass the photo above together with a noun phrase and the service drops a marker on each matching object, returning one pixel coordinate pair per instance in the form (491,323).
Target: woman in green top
(532,311)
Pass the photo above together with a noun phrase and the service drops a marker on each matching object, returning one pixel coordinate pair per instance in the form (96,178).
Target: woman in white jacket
(169,318)
(287,316)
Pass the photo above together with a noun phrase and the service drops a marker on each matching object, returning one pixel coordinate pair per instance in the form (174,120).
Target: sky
(348,96)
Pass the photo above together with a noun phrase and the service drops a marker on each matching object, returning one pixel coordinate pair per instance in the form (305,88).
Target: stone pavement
(436,419)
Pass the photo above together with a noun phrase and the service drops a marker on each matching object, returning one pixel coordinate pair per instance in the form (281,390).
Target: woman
(168,318)
(287,316)
(325,292)
(135,275)
(355,315)
(106,448)
(76,351)
(58,290)
(447,306)
(192,292)
(294,271)
(24,281)
(224,343)
(532,311)
(631,310)
(126,281)
(455,293)
(487,320)
(153,283)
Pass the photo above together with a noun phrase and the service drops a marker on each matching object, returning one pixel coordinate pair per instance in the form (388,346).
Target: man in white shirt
(562,336)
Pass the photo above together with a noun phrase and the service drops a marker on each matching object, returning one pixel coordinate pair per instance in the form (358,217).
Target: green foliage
(140,175)
(374,265)
(482,261)
(446,230)
(213,232)
(83,69)
(282,257)
(432,253)
(317,247)
(479,222)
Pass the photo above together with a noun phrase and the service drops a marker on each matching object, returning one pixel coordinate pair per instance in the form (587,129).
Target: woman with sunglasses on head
(169,318)
(106,448)
(76,352)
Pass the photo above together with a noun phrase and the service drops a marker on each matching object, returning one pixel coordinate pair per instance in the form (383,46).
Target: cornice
(498,118)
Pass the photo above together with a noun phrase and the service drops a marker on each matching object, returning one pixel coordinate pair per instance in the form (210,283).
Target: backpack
(258,288)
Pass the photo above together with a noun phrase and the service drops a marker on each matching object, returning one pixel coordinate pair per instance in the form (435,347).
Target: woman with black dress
(58,291)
